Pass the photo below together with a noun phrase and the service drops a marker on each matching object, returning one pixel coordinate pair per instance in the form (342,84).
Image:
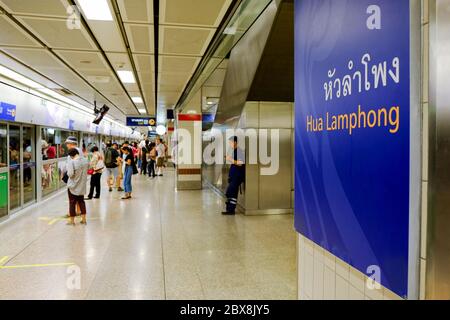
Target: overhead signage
(141,122)
(7,111)
(352,83)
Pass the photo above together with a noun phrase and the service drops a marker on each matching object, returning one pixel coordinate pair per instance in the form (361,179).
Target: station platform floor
(159,245)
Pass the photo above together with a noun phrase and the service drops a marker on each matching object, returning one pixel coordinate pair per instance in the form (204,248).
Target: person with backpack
(112,166)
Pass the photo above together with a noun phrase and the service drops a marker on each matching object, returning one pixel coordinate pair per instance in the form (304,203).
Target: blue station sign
(352,83)
(141,122)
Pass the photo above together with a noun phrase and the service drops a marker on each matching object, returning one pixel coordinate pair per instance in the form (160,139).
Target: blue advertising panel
(141,122)
(7,112)
(352,82)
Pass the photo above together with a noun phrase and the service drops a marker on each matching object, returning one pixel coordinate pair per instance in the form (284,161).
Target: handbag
(65,178)
(90,172)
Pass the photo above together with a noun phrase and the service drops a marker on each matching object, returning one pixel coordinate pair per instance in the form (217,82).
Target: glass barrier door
(29,165)
(15,194)
(3,170)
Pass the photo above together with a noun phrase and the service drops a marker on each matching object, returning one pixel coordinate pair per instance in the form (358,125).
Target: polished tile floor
(160,245)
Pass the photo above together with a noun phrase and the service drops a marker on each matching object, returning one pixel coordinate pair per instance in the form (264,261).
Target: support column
(189,145)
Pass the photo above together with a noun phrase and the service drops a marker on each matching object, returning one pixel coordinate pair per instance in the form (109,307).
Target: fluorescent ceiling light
(142,111)
(40,89)
(230,30)
(96,10)
(19,78)
(137,100)
(126,76)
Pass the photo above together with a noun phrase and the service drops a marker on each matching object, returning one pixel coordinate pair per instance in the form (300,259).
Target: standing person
(236,176)
(121,161)
(135,149)
(77,168)
(96,165)
(71,143)
(144,162)
(161,154)
(111,164)
(130,170)
(151,156)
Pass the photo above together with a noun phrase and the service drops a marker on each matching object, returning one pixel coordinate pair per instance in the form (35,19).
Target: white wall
(323,276)
(35,110)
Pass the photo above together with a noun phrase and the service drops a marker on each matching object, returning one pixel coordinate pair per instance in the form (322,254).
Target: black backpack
(109,161)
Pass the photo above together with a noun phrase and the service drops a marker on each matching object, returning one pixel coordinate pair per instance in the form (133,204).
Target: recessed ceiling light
(142,111)
(137,100)
(126,76)
(96,10)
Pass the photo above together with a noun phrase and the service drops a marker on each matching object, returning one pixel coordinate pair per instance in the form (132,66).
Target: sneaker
(110,189)
(120,189)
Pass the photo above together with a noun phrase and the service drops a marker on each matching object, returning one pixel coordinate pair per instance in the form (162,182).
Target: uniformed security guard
(236,176)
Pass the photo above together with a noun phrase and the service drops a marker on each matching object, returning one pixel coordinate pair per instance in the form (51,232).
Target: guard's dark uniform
(235,179)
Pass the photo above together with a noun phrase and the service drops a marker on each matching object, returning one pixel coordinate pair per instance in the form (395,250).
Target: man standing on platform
(236,178)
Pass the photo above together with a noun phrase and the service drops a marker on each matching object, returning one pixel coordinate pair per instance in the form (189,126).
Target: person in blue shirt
(236,177)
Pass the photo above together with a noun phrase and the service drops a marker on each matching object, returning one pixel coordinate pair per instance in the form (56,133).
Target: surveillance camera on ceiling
(100,113)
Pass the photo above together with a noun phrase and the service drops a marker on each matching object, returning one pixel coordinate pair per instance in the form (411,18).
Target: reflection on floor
(160,245)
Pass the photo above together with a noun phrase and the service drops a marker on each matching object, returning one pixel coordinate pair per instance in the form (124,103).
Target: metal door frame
(15,210)
(22,205)
(34,146)
(6,169)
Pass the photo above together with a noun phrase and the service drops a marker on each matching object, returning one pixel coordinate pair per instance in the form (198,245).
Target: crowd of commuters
(120,163)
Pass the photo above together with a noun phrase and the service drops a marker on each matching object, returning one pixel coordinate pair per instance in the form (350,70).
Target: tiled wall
(322,276)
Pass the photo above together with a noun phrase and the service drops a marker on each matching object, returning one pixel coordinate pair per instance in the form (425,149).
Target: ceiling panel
(84,61)
(140,37)
(185,41)
(120,61)
(140,11)
(55,34)
(144,62)
(194,12)
(13,36)
(56,8)
(170,87)
(147,78)
(36,58)
(178,64)
(108,35)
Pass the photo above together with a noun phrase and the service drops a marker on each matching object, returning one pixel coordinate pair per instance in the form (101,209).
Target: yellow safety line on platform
(3,260)
(38,265)
(52,222)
